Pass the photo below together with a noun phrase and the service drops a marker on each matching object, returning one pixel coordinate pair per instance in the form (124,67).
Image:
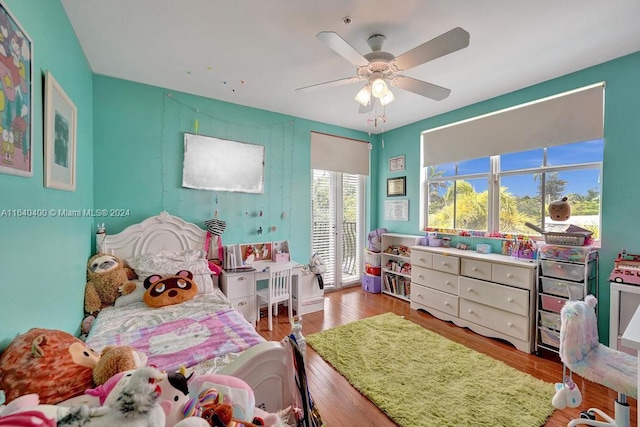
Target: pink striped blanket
(186,342)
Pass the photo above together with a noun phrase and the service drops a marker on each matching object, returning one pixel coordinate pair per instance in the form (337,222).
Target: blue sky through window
(578,182)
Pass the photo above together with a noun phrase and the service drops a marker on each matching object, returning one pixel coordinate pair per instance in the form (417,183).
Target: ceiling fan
(378,67)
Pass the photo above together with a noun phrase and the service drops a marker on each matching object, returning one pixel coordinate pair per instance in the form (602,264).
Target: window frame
(494,178)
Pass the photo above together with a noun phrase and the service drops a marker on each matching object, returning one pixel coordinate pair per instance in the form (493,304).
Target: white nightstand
(240,288)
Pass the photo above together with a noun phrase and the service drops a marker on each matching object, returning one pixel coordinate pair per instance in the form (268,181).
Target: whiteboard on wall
(222,165)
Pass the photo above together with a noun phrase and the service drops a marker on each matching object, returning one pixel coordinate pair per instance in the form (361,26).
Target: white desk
(240,286)
(625,299)
(631,339)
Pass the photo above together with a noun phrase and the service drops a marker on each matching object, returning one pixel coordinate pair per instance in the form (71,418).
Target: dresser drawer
(439,280)
(446,263)
(474,268)
(238,285)
(503,297)
(246,306)
(495,319)
(521,277)
(432,298)
(421,258)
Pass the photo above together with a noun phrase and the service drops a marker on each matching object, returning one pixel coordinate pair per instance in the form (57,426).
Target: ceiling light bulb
(379,88)
(387,99)
(364,96)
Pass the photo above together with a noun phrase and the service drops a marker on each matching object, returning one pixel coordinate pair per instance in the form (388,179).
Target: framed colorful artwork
(16,97)
(59,137)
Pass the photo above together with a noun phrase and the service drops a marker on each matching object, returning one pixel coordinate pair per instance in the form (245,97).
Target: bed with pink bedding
(205,334)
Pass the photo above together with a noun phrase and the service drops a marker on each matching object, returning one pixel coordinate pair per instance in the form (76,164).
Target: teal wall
(621,154)
(138,159)
(42,260)
(129,156)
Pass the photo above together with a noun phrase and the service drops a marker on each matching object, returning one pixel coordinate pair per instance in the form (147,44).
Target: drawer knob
(421,259)
(470,290)
(470,311)
(510,275)
(444,264)
(418,294)
(446,303)
(509,324)
(509,299)
(448,283)
(421,276)
(241,303)
(474,268)
(242,278)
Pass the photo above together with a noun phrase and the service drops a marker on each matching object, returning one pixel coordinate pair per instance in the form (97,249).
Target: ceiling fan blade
(342,48)
(444,44)
(368,108)
(325,85)
(429,90)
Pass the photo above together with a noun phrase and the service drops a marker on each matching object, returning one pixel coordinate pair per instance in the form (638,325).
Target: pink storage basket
(552,303)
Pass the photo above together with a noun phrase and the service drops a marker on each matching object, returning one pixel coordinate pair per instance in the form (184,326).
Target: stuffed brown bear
(108,278)
(115,359)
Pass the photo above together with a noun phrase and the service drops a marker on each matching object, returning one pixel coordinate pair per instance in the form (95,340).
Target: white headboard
(156,233)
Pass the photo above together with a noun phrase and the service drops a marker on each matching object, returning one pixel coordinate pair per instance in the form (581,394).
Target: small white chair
(279,290)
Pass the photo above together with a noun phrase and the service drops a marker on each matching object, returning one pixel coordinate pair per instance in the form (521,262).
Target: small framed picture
(396,186)
(396,164)
(59,137)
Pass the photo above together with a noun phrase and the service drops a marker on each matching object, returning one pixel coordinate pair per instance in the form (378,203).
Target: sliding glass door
(338,225)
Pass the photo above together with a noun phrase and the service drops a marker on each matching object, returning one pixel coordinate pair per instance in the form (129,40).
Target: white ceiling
(257,52)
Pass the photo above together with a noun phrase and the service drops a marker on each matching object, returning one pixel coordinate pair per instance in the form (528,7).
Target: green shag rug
(419,378)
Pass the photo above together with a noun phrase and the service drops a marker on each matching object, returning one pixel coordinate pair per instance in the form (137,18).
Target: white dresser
(491,294)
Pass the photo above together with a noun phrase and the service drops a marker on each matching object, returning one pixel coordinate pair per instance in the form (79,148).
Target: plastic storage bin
(372,270)
(571,290)
(372,258)
(371,283)
(550,337)
(550,320)
(552,303)
(564,270)
(565,253)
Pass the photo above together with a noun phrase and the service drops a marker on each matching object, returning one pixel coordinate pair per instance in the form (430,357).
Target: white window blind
(338,154)
(573,116)
(323,216)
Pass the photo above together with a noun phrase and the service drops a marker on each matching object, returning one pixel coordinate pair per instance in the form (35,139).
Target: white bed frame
(266,367)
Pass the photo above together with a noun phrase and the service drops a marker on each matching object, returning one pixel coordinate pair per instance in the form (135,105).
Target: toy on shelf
(626,269)
(560,210)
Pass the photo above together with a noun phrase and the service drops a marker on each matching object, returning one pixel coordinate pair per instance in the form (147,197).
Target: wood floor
(342,405)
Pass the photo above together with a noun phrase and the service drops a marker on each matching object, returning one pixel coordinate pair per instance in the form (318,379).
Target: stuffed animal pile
(57,366)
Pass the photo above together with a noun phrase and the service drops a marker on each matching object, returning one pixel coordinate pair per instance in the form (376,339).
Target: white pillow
(167,263)
(135,296)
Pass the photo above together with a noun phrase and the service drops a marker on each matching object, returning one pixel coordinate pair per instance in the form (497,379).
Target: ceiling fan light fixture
(387,99)
(379,88)
(364,96)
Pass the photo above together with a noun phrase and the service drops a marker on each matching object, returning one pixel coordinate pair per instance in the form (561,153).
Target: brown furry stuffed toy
(108,278)
(115,359)
(51,363)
